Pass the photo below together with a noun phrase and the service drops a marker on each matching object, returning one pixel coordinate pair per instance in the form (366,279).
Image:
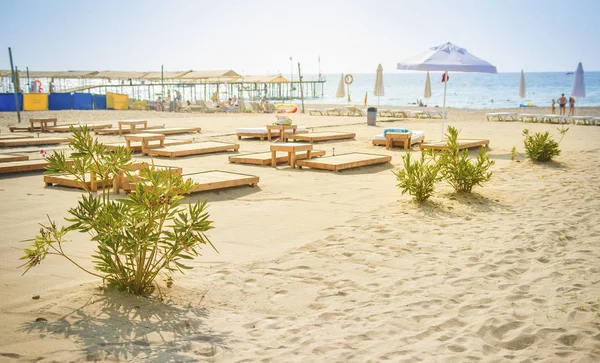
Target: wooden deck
(66,128)
(217,179)
(136,146)
(264,158)
(128,182)
(323,136)
(14,137)
(462,144)
(5,158)
(67,180)
(197,148)
(264,135)
(34,141)
(175,130)
(344,161)
(115,130)
(20,166)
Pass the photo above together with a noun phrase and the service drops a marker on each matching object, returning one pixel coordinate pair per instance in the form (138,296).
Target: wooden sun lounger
(34,141)
(333,112)
(137,145)
(5,158)
(15,137)
(462,144)
(218,179)
(322,136)
(66,180)
(115,130)
(175,130)
(192,149)
(20,166)
(400,114)
(66,128)
(264,158)
(344,161)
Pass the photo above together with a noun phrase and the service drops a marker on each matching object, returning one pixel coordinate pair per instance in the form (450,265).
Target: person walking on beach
(553,106)
(562,102)
(571,106)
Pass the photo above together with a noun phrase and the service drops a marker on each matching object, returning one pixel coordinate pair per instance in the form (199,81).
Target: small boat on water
(570,73)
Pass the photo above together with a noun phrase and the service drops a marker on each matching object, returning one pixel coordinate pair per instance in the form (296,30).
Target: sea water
(464,90)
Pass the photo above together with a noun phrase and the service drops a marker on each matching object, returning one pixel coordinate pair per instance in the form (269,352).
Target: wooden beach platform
(462,144)
(15,137)
(22,166)
(116,131)
(218,179)
(34,141)
(5,158)
(322,136)
(197,148)
(344,161)
(67,127)
(67,180)
(136,146)
(264,158)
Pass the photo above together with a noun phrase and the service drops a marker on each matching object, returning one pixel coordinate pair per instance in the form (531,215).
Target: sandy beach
(317,266)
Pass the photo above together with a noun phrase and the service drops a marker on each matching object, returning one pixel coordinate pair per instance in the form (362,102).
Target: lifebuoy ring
(37,88)
(348,79)
(286,108)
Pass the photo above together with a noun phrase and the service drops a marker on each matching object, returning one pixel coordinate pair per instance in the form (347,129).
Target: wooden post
(301,88)
(14,78)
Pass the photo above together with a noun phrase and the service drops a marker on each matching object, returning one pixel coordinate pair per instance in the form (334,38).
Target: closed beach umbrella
(427,92)
(446,58)
(341,90)
(378,90)
(522,85)
(578,83)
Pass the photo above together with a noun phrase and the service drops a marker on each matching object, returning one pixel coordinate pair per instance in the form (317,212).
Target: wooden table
(144,138)
(132,124)
(281,129)
(291,148)
(43,123)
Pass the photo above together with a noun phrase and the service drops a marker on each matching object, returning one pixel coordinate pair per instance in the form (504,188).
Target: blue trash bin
(371,116)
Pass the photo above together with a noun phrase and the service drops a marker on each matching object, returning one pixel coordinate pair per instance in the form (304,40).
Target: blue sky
(258,37)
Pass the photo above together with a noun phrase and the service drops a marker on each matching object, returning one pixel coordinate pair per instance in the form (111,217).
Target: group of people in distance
(562,104)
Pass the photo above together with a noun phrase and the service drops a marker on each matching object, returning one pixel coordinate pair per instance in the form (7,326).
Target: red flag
(445,77)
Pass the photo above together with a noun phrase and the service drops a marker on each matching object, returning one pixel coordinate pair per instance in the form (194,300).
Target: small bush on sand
(136,237)
(541,146)
(458,169)
(418,178)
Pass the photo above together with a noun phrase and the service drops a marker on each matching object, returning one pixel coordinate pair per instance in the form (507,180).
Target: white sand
(323,266)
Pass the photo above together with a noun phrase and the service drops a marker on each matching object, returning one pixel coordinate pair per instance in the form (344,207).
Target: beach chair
(580,120)
(400,113)
(433,113)
(209,108)
(386,113)
(316,112)
(529,117)
(333,111)
(353,111)
(501,116)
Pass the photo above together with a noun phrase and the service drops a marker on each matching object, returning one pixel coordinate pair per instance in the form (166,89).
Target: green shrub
(458,169)
(541,146)
(136,237)
(418,178)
